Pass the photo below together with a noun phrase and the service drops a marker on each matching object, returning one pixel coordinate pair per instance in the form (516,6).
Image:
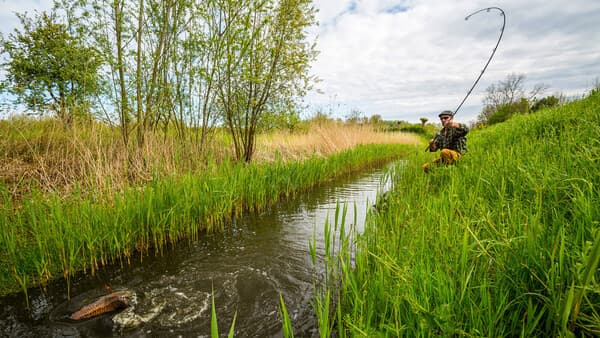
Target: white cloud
(422,59)
(406,59)
(8,8)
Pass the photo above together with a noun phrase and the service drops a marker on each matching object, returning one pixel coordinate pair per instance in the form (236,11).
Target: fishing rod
(488,9)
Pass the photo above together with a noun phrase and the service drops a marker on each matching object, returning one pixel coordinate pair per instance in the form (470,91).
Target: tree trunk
(138,80)
(124,109)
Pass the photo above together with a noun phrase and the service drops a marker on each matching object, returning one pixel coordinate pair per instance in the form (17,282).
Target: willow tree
(137,39)
(264,62)
(160,57)
(50,69)
(188,63)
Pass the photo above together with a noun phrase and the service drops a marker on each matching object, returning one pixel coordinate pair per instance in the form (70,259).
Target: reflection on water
(246,267)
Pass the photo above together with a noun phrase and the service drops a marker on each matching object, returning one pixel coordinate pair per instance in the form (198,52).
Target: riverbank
(245,269)
(49,236)
(40,154)
(506,243)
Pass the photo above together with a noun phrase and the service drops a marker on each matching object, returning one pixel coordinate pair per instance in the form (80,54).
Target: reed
(214,326)
(324,139)
(505,243)
(287,329)
(50,235)
(40,154)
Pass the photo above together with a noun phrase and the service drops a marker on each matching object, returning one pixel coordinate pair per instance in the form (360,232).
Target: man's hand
(431,145)
(454,124)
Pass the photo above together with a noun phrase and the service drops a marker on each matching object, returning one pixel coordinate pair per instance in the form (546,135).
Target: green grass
(49,236)
(214,326)
(505,243)
(286,327)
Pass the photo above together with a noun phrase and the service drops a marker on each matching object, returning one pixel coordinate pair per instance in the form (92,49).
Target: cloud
(406,59)
(9,20)
(411,59)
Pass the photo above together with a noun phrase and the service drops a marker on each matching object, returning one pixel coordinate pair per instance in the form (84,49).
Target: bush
(413,128)
(505,111)
(547,102)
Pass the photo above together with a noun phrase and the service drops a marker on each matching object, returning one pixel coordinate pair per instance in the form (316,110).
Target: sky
(408,59)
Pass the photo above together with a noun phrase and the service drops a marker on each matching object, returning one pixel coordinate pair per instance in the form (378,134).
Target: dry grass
(323,139)
(42,155)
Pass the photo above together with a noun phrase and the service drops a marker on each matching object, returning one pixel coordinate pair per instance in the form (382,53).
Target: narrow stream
(247,267)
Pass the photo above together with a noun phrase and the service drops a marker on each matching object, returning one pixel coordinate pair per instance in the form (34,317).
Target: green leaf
(214,328)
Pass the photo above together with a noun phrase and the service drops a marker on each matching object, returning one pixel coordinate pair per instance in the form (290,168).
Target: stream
(246,267)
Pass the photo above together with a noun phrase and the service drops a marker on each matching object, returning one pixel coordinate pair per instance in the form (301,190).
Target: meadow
(41,155)
(505,243)
(73,201)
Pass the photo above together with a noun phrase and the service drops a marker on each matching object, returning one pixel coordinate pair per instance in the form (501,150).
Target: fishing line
(491,56)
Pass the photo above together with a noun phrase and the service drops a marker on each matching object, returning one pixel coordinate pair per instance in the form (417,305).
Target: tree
(376,121)
(423,121)
(546,102)
(118,15)
(505,111)
(50,69)
(191,64)
(505,93)
(264,63)
(356,117)
(278,120)
(141,42)
(321,118)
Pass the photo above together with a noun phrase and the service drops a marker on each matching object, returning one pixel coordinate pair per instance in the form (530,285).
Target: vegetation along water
(155,122)
(49,236)
(506,243)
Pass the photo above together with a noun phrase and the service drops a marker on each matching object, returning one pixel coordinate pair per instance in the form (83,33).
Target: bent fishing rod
(488,9)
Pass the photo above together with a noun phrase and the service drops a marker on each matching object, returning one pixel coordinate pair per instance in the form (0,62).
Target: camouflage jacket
(452,138)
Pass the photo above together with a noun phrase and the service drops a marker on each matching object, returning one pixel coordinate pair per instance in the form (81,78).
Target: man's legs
(426,167)
(447,156)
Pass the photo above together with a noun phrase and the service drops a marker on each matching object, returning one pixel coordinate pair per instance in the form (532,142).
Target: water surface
(246,267)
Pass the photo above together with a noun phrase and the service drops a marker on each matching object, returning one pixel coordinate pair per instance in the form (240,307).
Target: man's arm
(434,143)
(432,146)
(459,128)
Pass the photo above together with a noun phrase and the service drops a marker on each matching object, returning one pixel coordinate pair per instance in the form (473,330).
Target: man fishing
(451,141)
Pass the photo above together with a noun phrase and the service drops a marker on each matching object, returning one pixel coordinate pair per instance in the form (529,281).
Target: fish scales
(105,304)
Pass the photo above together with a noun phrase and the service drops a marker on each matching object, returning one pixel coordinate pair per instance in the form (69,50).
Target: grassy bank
(506,243)
(41,155)
(49,236)
(324,139)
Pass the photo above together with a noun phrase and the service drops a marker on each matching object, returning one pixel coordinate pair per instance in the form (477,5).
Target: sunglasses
(445,118)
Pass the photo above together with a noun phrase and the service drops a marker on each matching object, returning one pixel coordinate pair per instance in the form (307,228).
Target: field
(506,243)
(75,213)
(41,155)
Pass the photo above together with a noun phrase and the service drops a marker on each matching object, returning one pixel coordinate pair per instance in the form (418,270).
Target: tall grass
(324,139)
(49,236)
(214,325)
(505,243)
(40,154)
(286,327)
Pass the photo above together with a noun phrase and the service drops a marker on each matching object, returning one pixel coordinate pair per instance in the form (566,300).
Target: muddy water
(247,267)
